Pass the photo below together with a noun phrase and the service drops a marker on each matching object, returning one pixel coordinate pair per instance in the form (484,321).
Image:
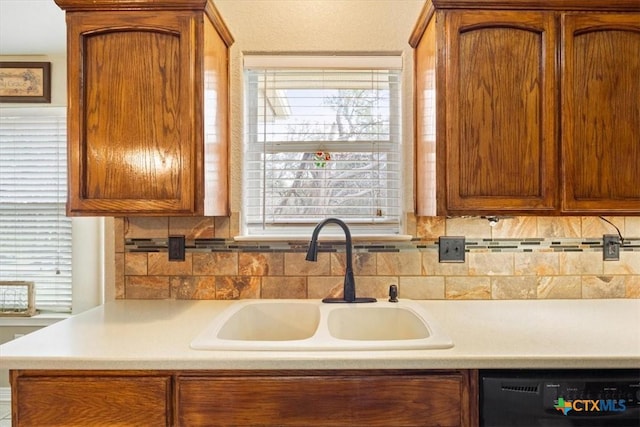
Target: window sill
(41,319)
(326,237)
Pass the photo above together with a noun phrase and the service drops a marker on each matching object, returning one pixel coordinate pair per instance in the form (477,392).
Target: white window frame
(254,219)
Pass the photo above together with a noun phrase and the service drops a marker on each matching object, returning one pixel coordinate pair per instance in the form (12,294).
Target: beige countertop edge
(302,364)
(142,334)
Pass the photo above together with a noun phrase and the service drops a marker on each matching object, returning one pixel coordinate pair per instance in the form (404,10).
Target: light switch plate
(451,249)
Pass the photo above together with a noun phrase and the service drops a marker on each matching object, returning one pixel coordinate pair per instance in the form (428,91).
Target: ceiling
(31,27)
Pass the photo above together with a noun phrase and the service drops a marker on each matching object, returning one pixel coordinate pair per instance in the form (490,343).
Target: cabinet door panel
(132,141)
(92,401)
(500,104)
(321,401)
(132,145)
(601,112)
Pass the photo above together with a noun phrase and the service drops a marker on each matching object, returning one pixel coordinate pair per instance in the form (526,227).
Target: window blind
(322,142)
(34,231)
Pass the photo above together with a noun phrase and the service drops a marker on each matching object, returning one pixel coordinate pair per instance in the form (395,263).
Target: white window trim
(307,61)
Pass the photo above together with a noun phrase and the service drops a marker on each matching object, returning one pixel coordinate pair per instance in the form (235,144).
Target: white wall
(327,26)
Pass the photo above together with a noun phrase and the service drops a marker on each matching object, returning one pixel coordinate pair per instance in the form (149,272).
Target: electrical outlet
(611,247)
(451,249)
(176,248)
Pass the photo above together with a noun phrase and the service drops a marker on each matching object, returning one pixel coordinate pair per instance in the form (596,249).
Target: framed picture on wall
(25,82)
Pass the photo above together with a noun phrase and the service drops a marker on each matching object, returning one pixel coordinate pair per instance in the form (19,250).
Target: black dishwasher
(558,398)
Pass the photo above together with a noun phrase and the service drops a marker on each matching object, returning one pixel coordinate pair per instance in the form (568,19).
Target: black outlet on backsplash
(176,247)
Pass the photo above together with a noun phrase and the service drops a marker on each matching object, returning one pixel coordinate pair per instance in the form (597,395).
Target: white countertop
(134,334)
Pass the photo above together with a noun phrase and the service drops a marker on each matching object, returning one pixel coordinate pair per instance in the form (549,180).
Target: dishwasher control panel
(589,398)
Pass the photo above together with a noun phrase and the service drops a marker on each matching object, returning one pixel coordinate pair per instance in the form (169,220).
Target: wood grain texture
(216,123)
(92,401)
(245,397)
(139,111)
(137,5)
(620,5)
(133,116)
(500,133)
(537,110)
(322,400)
(601,113)
(425,122)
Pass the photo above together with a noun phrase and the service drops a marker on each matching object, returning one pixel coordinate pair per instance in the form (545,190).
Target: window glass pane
(321,143)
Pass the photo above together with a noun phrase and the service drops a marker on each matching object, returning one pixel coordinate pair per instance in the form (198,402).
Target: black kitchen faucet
(349,293)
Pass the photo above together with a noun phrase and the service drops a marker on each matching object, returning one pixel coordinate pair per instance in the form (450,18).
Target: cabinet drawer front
(320,401)
(92,401)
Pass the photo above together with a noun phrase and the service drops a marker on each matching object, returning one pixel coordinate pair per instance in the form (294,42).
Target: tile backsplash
(517,258)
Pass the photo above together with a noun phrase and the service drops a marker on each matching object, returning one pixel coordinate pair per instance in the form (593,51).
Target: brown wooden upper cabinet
(601,112)
(148,107)
(532,111)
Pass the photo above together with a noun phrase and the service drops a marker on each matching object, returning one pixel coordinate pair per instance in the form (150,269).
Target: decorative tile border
(472,245)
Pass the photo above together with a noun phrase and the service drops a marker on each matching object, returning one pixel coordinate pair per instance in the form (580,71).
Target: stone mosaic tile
(632,226)
(375,286)
(119,278)
(146,227)
(215,263)
(432,267)
(490,263)
(472,228)
(364,263)
(159,265)
(536,263)
(135,264)
(222,227)
(467,287)
(421,287)
(603,287)
(283,287)
(596,226)
(147,287)
(499,268)
(559,227)
(118,234)
(580,263)
(515,227)
(430,227)
(192,227)
(237,287)
(325,286)
(260,264)
(514,287)
(295,264)
(400,263)
(632,286)
(532,244)
(629,263)
(193,287)
(559,287)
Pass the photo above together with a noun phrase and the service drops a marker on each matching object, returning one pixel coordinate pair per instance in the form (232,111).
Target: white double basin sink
(309,325)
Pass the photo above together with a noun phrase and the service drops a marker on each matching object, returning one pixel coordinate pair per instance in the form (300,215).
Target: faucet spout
(349,287)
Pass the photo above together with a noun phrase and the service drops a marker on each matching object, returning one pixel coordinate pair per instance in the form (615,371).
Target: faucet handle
(393,293)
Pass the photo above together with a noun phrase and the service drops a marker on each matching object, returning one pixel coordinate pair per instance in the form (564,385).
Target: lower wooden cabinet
(74,398)
(245,398)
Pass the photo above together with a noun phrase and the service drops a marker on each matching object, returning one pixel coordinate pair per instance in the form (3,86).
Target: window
(34,231)
(322,139)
